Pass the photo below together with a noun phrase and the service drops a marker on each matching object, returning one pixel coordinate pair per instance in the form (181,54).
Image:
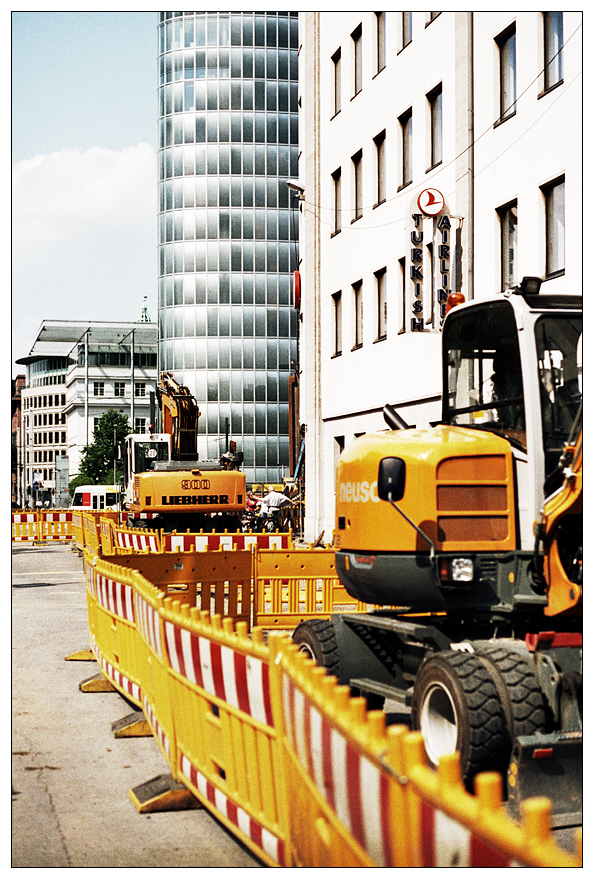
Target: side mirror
(391,479)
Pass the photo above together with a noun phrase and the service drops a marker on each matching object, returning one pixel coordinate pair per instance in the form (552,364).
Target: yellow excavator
(467,538)
(166,485)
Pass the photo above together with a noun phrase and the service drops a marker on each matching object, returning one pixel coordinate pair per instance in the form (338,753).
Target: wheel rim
(438,723)
(306,649)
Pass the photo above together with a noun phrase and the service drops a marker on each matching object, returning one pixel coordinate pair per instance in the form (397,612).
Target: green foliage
(96,465)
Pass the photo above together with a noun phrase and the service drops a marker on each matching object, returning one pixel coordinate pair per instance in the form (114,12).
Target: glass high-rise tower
(227,235)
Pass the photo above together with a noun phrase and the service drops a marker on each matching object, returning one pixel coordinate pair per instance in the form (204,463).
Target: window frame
(357,39)
(508,279)
(382,304)
(337,193)
(380,157)
(357,163)
(554,244)
(357,289)
(406,150)
(507,58)
(552,33)
(338,326)
(337,70)
(435,101)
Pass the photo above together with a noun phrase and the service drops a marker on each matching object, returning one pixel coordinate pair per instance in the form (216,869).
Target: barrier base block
(97,684)
(81,656)
(134,724)
(163,794)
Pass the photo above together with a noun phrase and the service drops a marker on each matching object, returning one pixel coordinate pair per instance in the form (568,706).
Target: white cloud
(84,236)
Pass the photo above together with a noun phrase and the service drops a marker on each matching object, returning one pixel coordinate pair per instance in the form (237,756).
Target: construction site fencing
(40,526)
(294,585)
(285,758)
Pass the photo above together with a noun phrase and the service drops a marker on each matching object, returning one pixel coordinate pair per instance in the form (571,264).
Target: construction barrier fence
(293,765)
(40,526)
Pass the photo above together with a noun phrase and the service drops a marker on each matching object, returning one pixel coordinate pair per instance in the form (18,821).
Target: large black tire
(317,639)
(457,707)
(520,693)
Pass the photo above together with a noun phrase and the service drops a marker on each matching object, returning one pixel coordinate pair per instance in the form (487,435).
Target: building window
(139,389)
(336,61)
(554,196)
(508,220)
(380,35)
(336,183)
(357,60)
(405,29)
(357,161)
(506,43)
(98,389)
(337,305)
(435,109)
(553,49)
(140,425)
(406,134)
(119,389)
(380,156)
(382,305)
(358,305)
(432,17)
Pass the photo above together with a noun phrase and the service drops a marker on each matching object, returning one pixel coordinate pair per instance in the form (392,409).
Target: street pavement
(71,776)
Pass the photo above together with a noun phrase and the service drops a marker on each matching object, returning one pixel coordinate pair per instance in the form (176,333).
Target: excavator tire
(317,639)
(457,707)
(520,693)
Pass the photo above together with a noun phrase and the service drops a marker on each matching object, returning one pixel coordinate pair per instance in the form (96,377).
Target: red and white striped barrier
(446,843)
(246,825)
(138,541)
(241,681)
(117,598)
(212,542)
(25,527)
(147,619)
(356,790)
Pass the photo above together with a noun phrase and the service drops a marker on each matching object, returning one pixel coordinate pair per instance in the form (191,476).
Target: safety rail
(291,586)
(293,765)
(39,526)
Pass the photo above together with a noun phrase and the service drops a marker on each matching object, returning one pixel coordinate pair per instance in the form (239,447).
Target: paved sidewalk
(70,776)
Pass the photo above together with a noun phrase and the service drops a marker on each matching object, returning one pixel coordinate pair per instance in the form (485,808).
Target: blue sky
(84,173)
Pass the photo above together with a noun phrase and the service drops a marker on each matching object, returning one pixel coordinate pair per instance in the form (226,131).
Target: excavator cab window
(484,373)
(146,454)
(559,350)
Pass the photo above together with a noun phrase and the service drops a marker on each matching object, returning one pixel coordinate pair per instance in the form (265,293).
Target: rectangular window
(357,161)
(380,40)
(436,118)
(336,183)
(358,306)
(337,305)
(140,425)
(382,305)
(506,43)
(554,195)
(380,155)
(508,220)
(357,60)
(406,148)
(98,389)
(336,61)
(139,389)
(553,49)
(119,389)
(406,29)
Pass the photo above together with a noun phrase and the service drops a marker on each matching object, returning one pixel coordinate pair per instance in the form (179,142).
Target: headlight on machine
(456,570)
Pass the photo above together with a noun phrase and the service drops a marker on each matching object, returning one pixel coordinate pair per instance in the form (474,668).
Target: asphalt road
(71,776)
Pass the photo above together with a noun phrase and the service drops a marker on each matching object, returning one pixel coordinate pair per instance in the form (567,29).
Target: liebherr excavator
(468,536)
(166,486)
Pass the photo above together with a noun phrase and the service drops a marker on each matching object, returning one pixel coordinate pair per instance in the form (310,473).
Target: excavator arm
(179,416)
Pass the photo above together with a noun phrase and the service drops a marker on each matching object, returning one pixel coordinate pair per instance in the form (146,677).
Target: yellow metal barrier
(78,536)
(294,585)
(56,524)
(25,527)
(282,755)
(363,796)
(121,540)
(225,735)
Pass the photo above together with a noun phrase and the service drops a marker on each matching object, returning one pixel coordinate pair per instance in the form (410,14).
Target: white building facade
(439,152)
(76,371)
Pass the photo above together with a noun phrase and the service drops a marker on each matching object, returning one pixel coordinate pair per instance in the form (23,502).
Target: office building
(227,226)
(439,151)
(76,371)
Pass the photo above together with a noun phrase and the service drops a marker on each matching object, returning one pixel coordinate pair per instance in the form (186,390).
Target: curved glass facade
(227,238)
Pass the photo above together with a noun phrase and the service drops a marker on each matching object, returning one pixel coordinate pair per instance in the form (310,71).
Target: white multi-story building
(439,151)
(76,371)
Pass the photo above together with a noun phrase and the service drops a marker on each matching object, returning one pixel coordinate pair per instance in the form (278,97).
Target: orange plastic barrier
(195,542)
(25,527)
(56,524)
(291,586)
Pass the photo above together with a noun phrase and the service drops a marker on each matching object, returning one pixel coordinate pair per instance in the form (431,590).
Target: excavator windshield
(484,372)
(146,454)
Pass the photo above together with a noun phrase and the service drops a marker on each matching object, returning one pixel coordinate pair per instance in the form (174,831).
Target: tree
(98,457)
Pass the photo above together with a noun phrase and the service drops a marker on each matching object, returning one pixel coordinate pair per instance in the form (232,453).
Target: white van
(96,497)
